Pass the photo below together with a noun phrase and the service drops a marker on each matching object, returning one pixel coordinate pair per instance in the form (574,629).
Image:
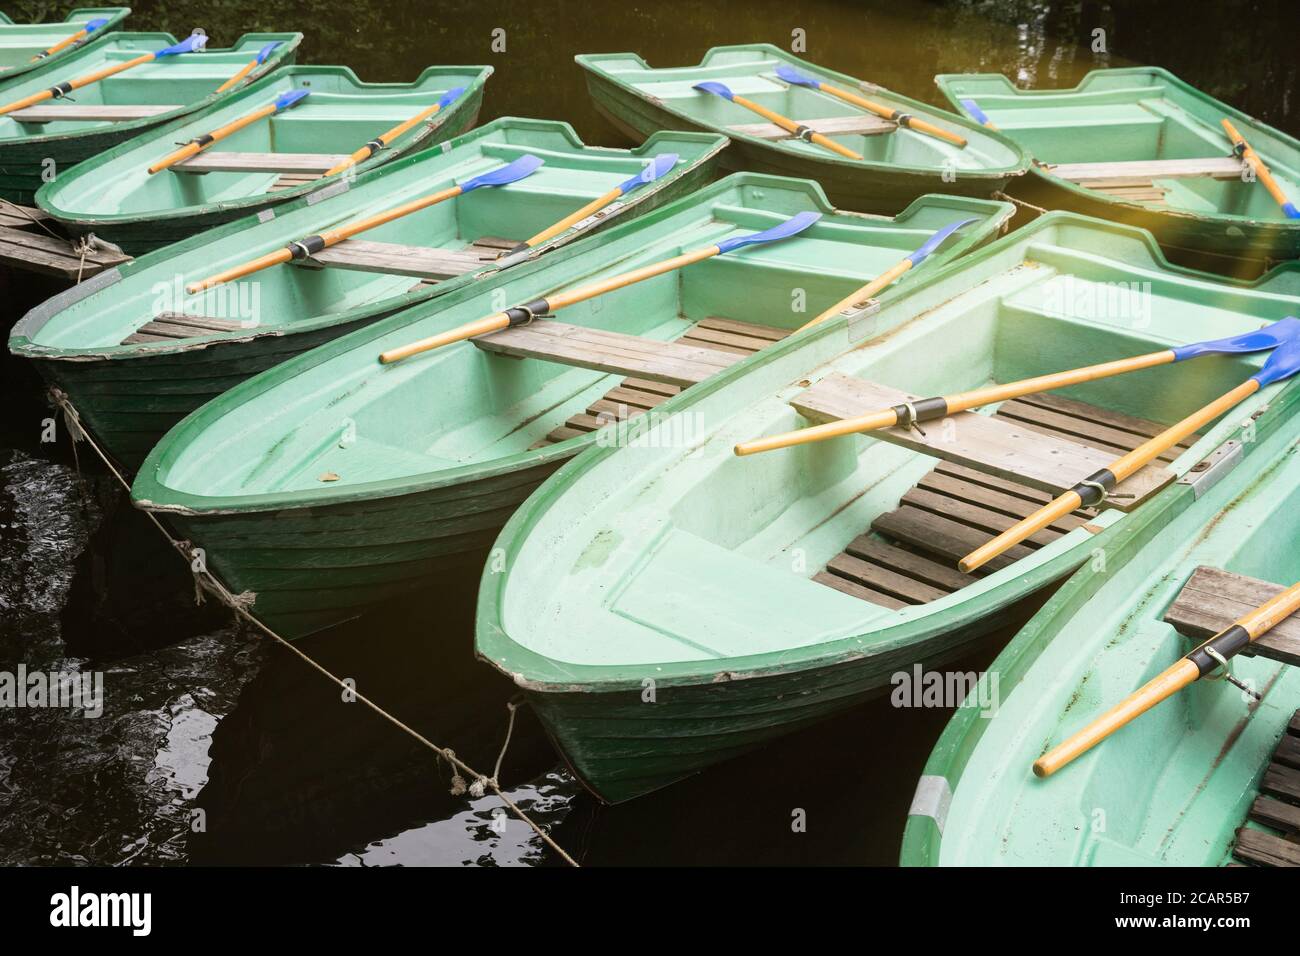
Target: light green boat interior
(339,115)
(674,553)
(1136,114)
(19,42)
(1171,787)
(181,80)
(749,71)
(293,296)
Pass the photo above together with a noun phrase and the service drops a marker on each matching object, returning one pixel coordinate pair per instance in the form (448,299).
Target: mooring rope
(238,604)
(1019,202)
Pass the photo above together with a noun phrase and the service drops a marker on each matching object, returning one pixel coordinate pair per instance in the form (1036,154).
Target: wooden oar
(379,142)
(1244,150)
(929,409)
(199,143)
(905,120)
(189,45)
(250,66)
(90,27)
(1093,490)
(890,275)
(657,167)
(977,114)
(523,314)
(787,124)
(310,245)
(1203,660)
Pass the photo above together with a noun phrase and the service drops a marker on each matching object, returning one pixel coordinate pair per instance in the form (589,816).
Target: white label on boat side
(932,798)
(862,319)
(266,215)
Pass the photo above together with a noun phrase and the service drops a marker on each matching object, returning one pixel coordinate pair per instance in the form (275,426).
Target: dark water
(204,718)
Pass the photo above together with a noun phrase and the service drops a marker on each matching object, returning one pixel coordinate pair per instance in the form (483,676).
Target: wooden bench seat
(1277,807)
(1213,598)
(863,124)
(73,112)
(300,164)
(1144,171)
(170,326)
(636,396)
(422,262)
(955,508)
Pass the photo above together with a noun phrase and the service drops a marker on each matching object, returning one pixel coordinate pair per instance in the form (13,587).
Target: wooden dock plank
(987,443)
(864,124)
(49,255)
(228,162)
(1213,598)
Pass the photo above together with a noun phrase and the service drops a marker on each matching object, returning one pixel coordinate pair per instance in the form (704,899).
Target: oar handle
(238,272)
(1164,685)
(379,142)
(550,232)
(480,327)
(805,436)
(246,69)
(790,126)
(61,45)
(200,143)
(1262,172)
(905,120)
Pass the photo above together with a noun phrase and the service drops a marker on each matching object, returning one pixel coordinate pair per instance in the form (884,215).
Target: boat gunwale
(176,213)
(152,495)
(115,21)
(917,107)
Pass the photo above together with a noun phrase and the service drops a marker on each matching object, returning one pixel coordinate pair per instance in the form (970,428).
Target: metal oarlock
(1224,672)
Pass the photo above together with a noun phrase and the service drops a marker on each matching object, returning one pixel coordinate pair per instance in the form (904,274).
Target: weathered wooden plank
(941,536)
(916,566)
(853,589)
(883,580)
(15,216)
(205,322)
(1281,782)
(1113,441)
(1143,427)
(1288,752)
(751,329)
(228,162)
(1213,598)
(1216,167)
(1276,814)
(991,522)
(995,501)
(364,255)
(984,442)
(608,351)
(864,124)
(89,112)
(46,254)
(1265,849)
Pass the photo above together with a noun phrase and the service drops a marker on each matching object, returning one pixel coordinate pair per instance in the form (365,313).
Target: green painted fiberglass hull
(897,166)
(113,195)
(1171,788)
(432,454)
(32,152)
(663,606)
(1140,114)
(20,42)
(129,393)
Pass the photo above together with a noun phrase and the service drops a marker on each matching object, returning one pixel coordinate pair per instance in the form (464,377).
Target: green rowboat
(42,142)
(1172,787)
(135,354)
(21,44)
(1141,146)
(899,164)
(668,605)
(333,483)
(267,163)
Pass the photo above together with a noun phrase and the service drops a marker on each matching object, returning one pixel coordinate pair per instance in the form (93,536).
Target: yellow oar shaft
(1119,469)
(790,126)
(1249,627)
(326,239)
(62,45)
(379,142)
(551,303)
(597,204)
(1250,156)
(244,70)
(62,89)
(960,402)
(905,120)
(193,149)
(861,295)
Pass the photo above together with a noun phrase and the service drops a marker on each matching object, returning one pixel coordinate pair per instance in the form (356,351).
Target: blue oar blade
(718,89)
(791,227)
(512,172)
(1291,211)
(1270,337)
(660,165)
(263,53)
(791,75)
(971,107)
(191,44)
(935,241)
(450,97)
(1282,364)
(93,25)
(285,100)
